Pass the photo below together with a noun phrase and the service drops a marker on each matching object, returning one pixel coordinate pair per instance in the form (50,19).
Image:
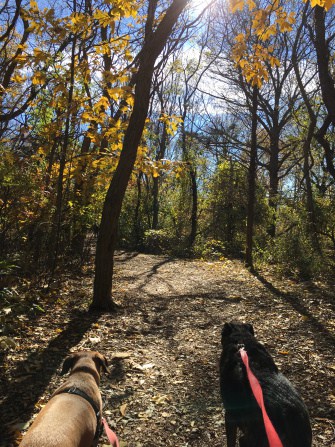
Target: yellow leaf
(115,92)
(133,12)
(33,5)
(38,78)
(270,31)
(123,409)
(240,38)
(103,18)
(103,103)
(40,55)
(123,78)
(291,17)
(87,117)
(251,4)
(284,25)
(328,4)
(317,3)
(21,58)
(236,5)
(130,100)
(17,78)
(274,61)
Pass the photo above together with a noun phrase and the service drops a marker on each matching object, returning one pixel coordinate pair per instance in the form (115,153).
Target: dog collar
(78,392)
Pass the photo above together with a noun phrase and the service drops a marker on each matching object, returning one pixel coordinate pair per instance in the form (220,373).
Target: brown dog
(72,417)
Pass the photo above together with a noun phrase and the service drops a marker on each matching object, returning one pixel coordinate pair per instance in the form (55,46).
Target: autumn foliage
(67,92)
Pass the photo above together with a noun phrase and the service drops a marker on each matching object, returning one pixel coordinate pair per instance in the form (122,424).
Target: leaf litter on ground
(163,346)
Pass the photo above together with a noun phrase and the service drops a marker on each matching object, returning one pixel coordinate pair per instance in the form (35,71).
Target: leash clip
(72,390)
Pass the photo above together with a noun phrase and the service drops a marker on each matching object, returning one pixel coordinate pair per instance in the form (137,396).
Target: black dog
(284,406)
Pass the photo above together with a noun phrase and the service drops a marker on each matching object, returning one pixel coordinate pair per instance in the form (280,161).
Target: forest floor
(163,345)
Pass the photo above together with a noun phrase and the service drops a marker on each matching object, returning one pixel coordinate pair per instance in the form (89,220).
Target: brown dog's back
(69,419)
(60,423)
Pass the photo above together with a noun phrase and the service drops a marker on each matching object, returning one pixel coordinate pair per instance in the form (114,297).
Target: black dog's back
(284,406)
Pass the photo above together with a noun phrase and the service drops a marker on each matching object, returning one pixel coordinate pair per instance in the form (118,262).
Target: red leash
(110,434)
(271,433)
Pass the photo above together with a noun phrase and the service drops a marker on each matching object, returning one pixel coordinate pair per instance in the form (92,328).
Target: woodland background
(235,157)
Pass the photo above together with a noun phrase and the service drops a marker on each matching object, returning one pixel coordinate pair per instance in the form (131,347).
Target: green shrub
(158,241)
(293,254)
(211,249)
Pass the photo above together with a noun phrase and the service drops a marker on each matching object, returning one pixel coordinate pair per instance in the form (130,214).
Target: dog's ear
(250,328)
(226,330)
(68,363)
(101,361)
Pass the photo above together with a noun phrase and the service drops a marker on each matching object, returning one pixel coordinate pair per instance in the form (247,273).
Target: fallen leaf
(166,415)
(123,409)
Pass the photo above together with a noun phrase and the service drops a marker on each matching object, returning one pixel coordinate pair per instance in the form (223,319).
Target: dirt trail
(164,346)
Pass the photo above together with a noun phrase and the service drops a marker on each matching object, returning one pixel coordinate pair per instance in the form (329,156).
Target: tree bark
(322,54)
(194,211)
(137,223)
(310,206)
(274,178)
(106,244)
(326,84)
(252,182)
(155,202)
(156,180)
(57,219)
(320,136)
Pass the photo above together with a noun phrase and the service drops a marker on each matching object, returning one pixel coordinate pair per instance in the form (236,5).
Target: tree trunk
(155,189)
(137,223)
(322,54)
(106,244)
(320,136)
(193,181)
(155,202)
(194,212)
(312,223)
(252,182)
(57,221)
(274,179)
(326,84)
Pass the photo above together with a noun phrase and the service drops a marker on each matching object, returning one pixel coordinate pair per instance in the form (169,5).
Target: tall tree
(323,52)
(252,180)
(301,52)
(154,42)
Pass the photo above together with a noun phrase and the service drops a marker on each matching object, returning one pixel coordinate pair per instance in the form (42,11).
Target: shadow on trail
(322,334)
(143,277)
(162,301)
(155,267)
(31,376)
(125,256)
(154,271)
